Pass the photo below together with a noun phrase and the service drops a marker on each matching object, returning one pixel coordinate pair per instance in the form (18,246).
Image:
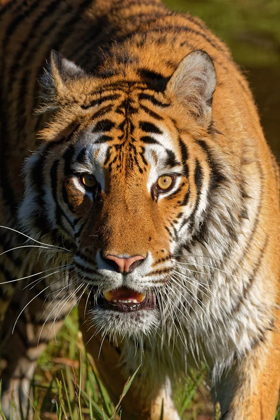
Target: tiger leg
(144,399)
(26,338)
(251,390)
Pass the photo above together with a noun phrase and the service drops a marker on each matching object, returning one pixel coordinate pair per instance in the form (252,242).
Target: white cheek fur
(93,161)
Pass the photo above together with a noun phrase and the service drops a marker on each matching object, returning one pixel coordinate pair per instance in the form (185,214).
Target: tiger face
(121,181)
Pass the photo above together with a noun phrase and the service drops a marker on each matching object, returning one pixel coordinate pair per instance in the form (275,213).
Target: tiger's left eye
(165,182)
(88,181)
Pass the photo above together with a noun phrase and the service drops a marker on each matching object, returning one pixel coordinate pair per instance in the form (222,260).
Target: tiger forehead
(127,128)
(125,100)
(117,115)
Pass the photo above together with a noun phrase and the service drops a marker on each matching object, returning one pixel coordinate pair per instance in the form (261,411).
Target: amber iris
(164,182)
(88,181)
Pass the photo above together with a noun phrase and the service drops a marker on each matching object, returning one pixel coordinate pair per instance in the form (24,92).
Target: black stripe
(66,200)
(216,176)
(149,127)
(186,198)
(169,232)
(250,241)
(85,269)
(7,6)
(68,159)
(142,154)
(154,80)
(251,276)
(163,271)
(171,159)
(150,112)
(103,125)
(153,100)
(59,213)
(60,36)
(108,156)
(198,178)
(37,172)
(82,155)
(22,14)
(183,29)
(30,51)
(184,157)
(53,177)
(84,257)
(161,260)
(78,233)
(53,31)
(157,7)
(100,101)
(103,139)
(149,140)
(17,65)
(102,111)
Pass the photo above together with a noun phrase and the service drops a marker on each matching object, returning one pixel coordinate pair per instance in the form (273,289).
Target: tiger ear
(63,69)
(193,83)
(56,75)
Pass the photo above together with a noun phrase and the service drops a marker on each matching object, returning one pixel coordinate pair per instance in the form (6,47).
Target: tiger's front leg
(146,398)
(250,390)
(25,337)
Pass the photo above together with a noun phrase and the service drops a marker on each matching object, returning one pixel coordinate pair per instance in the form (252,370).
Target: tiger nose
(123,265)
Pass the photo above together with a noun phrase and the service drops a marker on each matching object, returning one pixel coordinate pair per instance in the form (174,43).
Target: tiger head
(122,181)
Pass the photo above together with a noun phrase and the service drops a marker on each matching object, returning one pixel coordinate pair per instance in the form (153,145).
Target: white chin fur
(119,325)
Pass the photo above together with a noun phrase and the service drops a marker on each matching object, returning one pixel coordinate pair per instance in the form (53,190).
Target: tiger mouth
(126,300)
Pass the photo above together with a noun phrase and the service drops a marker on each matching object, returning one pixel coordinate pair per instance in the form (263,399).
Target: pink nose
(124,265)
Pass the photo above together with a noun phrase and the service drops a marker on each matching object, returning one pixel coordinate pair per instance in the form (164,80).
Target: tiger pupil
(164,182)
(88,181)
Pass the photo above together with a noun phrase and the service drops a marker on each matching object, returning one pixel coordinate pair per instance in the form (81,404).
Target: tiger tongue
(124,295)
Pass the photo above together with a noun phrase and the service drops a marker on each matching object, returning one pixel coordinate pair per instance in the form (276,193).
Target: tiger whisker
(182,313)
(186,315)
(174,325)
(218,322)
(35,282)
(201,265)
(67,300)
(35,240)
(199,256)
(192,344)
(101,344)
(28,246)
(189,280)
(31,300)
(87,300)
(200,285)
(48,305)
(27,277)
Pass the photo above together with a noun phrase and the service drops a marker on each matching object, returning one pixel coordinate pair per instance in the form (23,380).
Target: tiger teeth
(125,301)
(109,296)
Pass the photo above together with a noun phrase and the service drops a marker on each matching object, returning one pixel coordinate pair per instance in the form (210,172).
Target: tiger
(137,185)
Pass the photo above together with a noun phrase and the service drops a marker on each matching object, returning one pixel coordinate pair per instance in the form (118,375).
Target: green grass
(67,387)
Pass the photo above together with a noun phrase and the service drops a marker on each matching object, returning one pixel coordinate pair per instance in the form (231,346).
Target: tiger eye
(164,182)
(88,181)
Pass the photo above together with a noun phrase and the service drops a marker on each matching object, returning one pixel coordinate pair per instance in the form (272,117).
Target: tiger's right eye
(88,181)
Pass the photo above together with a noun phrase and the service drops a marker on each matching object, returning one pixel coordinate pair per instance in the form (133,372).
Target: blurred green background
(251,28)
